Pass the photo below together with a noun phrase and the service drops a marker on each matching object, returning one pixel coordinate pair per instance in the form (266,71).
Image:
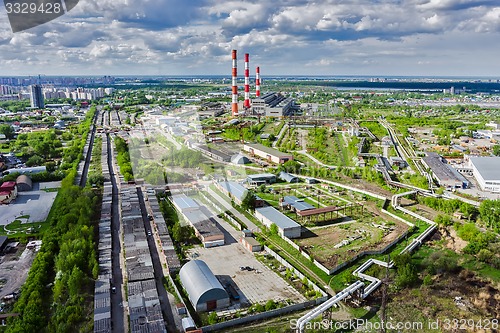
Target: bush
(212,318)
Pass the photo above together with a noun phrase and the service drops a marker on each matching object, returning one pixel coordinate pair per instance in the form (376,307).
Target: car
(149,233)
(150,217)
(113,290)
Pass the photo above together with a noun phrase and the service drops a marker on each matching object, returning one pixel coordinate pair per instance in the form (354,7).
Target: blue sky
(283,37)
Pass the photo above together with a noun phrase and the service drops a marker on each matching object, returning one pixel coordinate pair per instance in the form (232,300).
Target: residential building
(36,96)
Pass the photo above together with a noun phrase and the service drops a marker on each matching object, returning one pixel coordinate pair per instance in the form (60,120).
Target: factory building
(273,104)
(487,172)
(444,174)
(267,153)
(205,292)
(286,226)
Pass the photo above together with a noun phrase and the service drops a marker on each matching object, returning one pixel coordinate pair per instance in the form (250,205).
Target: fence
(262,315)
(293,269)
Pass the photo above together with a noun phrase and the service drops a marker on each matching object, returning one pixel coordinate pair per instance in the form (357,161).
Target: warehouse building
(237,192)
(444,173)
(199,218)
(486,170)
(267,153)
(261,179)
(286,226)
(288,177)
(205,292)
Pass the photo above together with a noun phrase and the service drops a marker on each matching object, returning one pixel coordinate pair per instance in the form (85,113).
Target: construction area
(335,244)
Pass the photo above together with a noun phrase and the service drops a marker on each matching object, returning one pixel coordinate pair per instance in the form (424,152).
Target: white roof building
(486,170)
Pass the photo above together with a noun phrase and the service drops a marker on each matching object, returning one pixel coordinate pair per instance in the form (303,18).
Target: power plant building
(204,290)
(273,104)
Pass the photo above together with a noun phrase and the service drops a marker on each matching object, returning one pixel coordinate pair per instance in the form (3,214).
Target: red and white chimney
(246,103)
(257,82)
(234,105)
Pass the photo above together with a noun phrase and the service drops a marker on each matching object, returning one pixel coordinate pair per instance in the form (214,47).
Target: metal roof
(487,166)
(278,218)
(288,177)
(262,176)
(267,150)
(442,171)
(297,203)
(237,190)
(200,283)
(183,202)
(239,159)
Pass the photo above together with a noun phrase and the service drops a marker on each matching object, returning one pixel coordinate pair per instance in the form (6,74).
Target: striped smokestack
(257,82)
(246,104)
(234,105)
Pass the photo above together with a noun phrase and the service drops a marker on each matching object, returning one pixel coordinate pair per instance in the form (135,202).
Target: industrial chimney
(257,82)
(234,105)
(246,103)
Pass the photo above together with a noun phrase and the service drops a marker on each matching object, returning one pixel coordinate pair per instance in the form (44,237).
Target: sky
(283,37)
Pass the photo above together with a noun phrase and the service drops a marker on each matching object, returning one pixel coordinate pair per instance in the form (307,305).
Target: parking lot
(255,285)
(34,206)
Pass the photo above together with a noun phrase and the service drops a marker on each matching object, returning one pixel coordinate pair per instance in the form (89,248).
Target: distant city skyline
(430,38)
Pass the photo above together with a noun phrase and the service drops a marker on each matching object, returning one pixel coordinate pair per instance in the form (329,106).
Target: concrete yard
(256,286)
(14,269)
(36,204)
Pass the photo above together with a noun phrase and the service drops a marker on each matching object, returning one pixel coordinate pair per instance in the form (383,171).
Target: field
(335,244)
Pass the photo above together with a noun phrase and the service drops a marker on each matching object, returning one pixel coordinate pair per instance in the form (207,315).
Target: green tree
(496,150)
(7,130)
(273,229)
(248,202)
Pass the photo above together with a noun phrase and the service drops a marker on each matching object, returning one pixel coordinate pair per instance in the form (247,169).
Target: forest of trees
(123,158)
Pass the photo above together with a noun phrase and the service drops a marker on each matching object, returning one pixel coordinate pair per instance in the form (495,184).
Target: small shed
(24,183)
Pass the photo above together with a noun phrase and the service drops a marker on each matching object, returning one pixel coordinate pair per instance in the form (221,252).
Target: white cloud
(283,36)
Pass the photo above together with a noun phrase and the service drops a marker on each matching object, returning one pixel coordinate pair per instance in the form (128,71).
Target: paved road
(118,317)
(168,314)
(280,134)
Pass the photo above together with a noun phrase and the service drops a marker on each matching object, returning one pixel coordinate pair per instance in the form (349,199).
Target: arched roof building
(24,183)
(205,292)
